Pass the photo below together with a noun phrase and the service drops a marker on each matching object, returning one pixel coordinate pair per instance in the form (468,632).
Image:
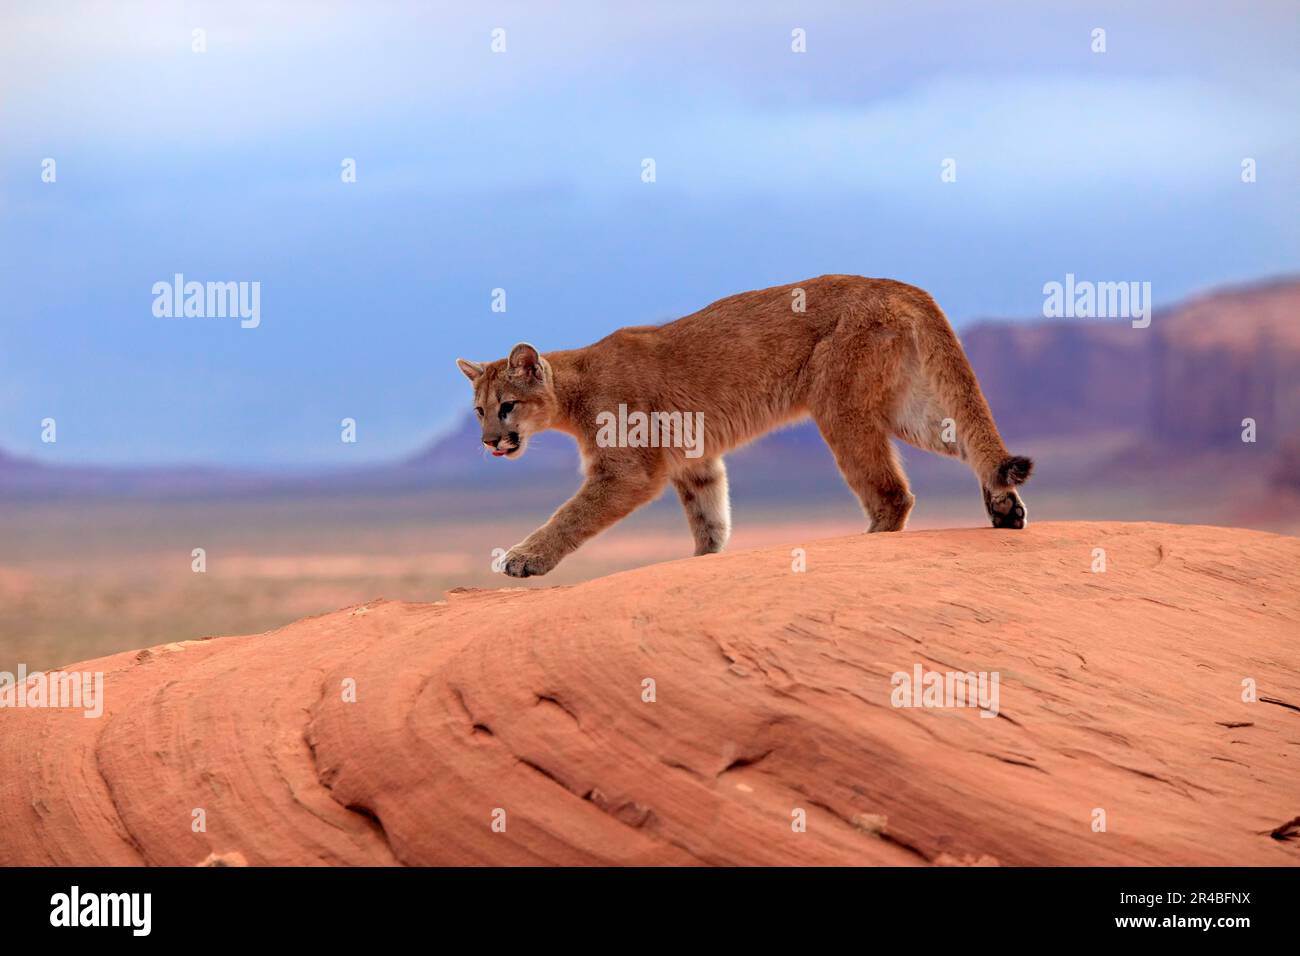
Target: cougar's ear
(525,363)
(472,370)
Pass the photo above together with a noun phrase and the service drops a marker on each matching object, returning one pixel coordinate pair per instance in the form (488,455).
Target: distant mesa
(1145,400)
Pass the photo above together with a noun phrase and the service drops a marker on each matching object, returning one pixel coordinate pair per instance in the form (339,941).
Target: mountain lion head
(513,398)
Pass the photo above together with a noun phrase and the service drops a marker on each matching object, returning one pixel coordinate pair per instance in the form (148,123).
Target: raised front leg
(603,499)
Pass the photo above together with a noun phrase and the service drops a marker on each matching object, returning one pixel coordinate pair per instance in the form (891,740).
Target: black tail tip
(1015,470)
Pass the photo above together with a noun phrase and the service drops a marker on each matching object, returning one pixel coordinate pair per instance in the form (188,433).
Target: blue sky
(522,170)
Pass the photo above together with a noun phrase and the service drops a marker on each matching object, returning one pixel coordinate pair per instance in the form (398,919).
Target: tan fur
(868,359)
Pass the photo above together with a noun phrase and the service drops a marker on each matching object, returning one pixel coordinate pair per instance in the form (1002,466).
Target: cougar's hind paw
(1006,509)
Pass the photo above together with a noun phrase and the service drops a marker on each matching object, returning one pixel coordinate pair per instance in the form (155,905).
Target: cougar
(868,359)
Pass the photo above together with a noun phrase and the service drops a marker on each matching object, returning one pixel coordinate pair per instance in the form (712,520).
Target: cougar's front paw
(522,563)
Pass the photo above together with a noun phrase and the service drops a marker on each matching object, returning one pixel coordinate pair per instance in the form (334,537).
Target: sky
(522,170)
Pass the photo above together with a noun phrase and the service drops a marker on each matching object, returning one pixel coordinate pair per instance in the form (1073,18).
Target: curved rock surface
(1120,693)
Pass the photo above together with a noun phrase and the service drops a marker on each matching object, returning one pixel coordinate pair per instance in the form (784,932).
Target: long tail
(953,380)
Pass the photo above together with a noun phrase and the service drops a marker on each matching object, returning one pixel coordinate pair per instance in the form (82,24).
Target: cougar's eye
(478,411)
(507,408)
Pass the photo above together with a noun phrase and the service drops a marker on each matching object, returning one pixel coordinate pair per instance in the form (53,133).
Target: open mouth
(508,451)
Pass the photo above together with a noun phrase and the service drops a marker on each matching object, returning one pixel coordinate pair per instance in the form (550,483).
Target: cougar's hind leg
(870,466)
(853,398)
(921,421)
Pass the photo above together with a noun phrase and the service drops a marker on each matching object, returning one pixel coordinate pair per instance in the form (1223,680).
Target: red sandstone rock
(1119,691)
